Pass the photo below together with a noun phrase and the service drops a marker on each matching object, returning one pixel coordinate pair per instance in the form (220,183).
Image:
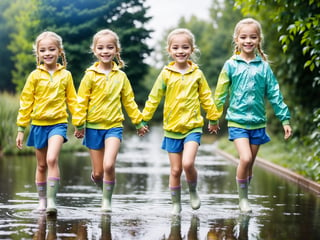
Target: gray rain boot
(98,183)
(42,193)
(244,205)
(176,199)
(194,197)
(52,189)
(107,191)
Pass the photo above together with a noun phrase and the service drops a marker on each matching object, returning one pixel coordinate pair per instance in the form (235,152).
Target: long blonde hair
(236,32)
(106,32)
(58,42)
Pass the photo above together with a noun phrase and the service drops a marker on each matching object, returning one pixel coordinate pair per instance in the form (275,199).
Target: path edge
(279,170)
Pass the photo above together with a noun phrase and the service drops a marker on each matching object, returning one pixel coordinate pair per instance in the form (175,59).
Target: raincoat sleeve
(84,91)
(154,98)
(276,99)
(222,89)
(26,102)
(71,95)
(129,103)
(207,102)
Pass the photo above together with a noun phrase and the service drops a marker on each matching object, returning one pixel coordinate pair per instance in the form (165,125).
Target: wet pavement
(141,201)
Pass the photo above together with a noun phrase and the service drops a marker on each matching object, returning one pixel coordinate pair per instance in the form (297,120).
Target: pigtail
(261,52)
(236,49)
(38,60)
(120,61)
(64,59)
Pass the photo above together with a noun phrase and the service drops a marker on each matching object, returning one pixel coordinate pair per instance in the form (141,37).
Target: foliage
(77,22)
(294,18)
(309,151)
(9,105)
(21,31)
(6,63)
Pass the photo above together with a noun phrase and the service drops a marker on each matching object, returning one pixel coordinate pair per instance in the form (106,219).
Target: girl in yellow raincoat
(48,92)
(186,90)
(101,94)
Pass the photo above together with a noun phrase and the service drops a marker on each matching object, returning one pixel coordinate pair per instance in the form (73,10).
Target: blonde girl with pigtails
(185,89)
(248,80)
(103,91)
(48,92)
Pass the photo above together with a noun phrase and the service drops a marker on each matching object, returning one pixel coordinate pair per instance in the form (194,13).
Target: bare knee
(52,162)
(188,167)
(109,169)
(176,172)
(42,168)
(245,161)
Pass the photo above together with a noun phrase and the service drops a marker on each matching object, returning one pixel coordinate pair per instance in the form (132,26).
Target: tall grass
(9,105)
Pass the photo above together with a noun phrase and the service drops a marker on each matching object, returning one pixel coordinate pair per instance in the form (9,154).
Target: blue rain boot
(244,205)
(176,199)
(42,193)
(194,197)
(52,189)
(108,187)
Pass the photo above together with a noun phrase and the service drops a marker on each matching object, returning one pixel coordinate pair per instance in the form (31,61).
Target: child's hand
(79,133)
(19,140)
(213,128)
(287,131)
(142,131)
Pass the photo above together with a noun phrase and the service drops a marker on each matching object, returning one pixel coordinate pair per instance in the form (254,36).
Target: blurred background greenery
(291,40)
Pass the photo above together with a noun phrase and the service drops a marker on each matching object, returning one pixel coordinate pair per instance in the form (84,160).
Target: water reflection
(141,203)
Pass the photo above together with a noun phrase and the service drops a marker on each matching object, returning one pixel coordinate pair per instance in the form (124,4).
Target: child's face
(180,48)
(105,49)
(248,39)
(48,52)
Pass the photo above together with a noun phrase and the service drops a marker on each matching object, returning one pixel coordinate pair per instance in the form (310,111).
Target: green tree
(20,35)
(77,22)
(6,62)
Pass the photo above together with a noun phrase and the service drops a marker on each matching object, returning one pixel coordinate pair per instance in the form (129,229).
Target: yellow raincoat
(185,94)
(100,99)
(44,98)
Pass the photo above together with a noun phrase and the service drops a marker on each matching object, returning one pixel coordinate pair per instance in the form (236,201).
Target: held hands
(19,140)
(79,133)
(142,131)
(213,128)
(287,131)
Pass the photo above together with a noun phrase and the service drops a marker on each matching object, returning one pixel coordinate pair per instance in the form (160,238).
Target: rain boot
(52,189)
(42,193)
(194,197)
(176,199)
(242,185)
(107,191)
(98,183)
